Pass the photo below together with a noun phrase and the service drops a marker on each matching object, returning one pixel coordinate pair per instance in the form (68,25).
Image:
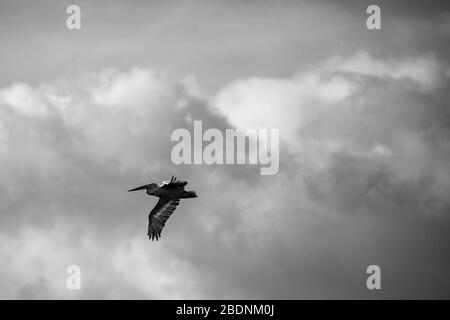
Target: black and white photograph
(224,150)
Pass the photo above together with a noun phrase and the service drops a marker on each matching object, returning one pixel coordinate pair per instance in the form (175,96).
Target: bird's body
(169,194)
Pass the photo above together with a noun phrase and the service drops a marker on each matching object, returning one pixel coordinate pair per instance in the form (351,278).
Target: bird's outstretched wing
(174,183)
(158,216)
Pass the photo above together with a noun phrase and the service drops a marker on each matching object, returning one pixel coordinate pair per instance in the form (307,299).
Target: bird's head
(151,187)
(148,188)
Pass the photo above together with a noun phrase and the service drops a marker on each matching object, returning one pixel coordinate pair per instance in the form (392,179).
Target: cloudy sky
(364,123)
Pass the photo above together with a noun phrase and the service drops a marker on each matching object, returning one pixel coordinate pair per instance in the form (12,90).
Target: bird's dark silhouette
(169,193)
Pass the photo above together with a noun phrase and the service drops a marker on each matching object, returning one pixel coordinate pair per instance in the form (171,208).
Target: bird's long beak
(139,188)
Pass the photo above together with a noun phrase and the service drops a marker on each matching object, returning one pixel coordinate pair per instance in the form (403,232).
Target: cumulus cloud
(364,160)
(37,260)
(358,110)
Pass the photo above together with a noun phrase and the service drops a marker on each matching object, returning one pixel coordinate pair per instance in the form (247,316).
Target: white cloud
(24,100)
(338,108)
(425,70)
(285,104)
(110,117)
(36,260)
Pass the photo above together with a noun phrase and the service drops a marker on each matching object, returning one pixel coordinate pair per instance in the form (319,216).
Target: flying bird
(169,193)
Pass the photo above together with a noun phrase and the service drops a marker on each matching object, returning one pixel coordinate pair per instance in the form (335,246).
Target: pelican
(169,194)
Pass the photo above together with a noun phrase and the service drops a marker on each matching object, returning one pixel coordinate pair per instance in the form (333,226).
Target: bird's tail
(190,194)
